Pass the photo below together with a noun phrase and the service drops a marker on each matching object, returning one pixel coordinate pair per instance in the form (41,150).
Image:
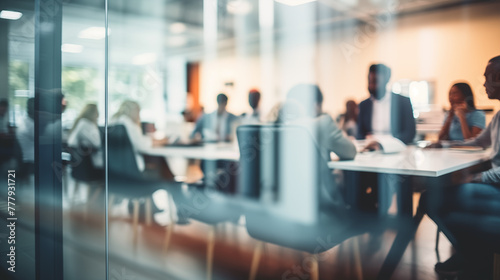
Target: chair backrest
(82,167)
(280,165)
(121,155)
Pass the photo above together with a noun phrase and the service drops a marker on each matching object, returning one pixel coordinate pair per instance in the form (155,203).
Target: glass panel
(17,141)
(196,189)
(82,79)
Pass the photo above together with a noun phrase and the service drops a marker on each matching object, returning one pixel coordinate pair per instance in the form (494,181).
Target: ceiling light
(239,7)
(177,27)
(93,33)
(71,48)
(144,58)
(12,15)
(177,41)
(294,2)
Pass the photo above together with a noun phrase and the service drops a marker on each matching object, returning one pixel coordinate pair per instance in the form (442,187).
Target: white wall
(441,46)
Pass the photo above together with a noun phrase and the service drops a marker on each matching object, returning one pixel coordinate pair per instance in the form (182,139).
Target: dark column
(48,186)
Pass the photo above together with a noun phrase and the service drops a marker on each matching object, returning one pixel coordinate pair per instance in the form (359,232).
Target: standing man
(385,113)
(218,125)
(254,116)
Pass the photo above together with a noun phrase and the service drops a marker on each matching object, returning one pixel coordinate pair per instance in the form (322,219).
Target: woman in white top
(85,134)
(128,115)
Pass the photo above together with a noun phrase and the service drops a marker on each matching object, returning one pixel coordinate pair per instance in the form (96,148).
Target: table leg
(403,238)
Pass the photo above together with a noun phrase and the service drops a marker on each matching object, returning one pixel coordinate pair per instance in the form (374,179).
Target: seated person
(218,125)
(25,134)
(469,214)
(463,120)
(304,107)
(348,121)
(128,115)
(85,135)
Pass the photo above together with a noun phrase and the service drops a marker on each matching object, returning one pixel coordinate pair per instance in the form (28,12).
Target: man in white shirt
(382,117)
(218,125)
(385,113)
(252,117)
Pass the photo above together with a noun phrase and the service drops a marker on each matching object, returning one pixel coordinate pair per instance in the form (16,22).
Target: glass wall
(130,141)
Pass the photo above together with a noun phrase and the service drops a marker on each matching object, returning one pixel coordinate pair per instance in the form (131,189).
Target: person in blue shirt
(463,121)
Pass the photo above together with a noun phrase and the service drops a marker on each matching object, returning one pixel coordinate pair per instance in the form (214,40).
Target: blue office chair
(125,179)
(209,206)
(284,171)
(84,171)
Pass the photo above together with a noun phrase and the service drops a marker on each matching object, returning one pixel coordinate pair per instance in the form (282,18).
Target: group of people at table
(470,212)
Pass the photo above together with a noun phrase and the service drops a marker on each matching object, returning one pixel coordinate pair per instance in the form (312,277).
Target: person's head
(378,78)
(308,97)
(221,103)
(492,76)
(460,93)
(89,112)
(131,109)
(4,106)
(254,98)
(351,109)
(30,107)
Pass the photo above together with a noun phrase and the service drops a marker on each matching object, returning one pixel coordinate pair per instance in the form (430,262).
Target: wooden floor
(186,257)
(144,257)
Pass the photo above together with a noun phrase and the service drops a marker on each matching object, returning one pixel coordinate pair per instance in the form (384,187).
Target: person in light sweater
(469,214)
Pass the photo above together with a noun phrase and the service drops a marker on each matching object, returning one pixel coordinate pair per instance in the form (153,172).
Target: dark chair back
(280,165)
(121,156)
(82,166)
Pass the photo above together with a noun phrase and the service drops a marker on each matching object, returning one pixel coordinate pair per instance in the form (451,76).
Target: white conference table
(215,151)
(414,161)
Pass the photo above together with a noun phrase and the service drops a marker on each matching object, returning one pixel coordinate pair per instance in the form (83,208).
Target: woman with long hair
(463,121)
(85,134)
(128,115)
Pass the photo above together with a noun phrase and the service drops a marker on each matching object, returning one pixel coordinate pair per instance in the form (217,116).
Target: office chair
(125,179)
(84,171)
(206,205)
(283,168)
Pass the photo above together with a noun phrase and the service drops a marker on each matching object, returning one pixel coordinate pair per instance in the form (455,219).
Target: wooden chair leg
(357,259)
(210,251)
(496,268)
(255,260)
(170,226)
(135,218)
(149,212)
(314,268)
(75,191)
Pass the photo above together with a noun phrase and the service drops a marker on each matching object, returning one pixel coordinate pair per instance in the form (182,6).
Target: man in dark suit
(385,112)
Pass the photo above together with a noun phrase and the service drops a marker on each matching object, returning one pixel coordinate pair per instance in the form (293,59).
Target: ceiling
(145,27)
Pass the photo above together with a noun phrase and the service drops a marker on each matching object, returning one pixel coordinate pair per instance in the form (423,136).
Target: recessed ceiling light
(93,33)
(294,2)
(144,58)
(71,48)
(177,41)
(177,27)
(239,7)
(12,15)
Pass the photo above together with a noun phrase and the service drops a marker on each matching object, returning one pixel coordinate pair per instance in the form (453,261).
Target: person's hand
(371,146)
(436,145)
(460,109)
(160,142)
